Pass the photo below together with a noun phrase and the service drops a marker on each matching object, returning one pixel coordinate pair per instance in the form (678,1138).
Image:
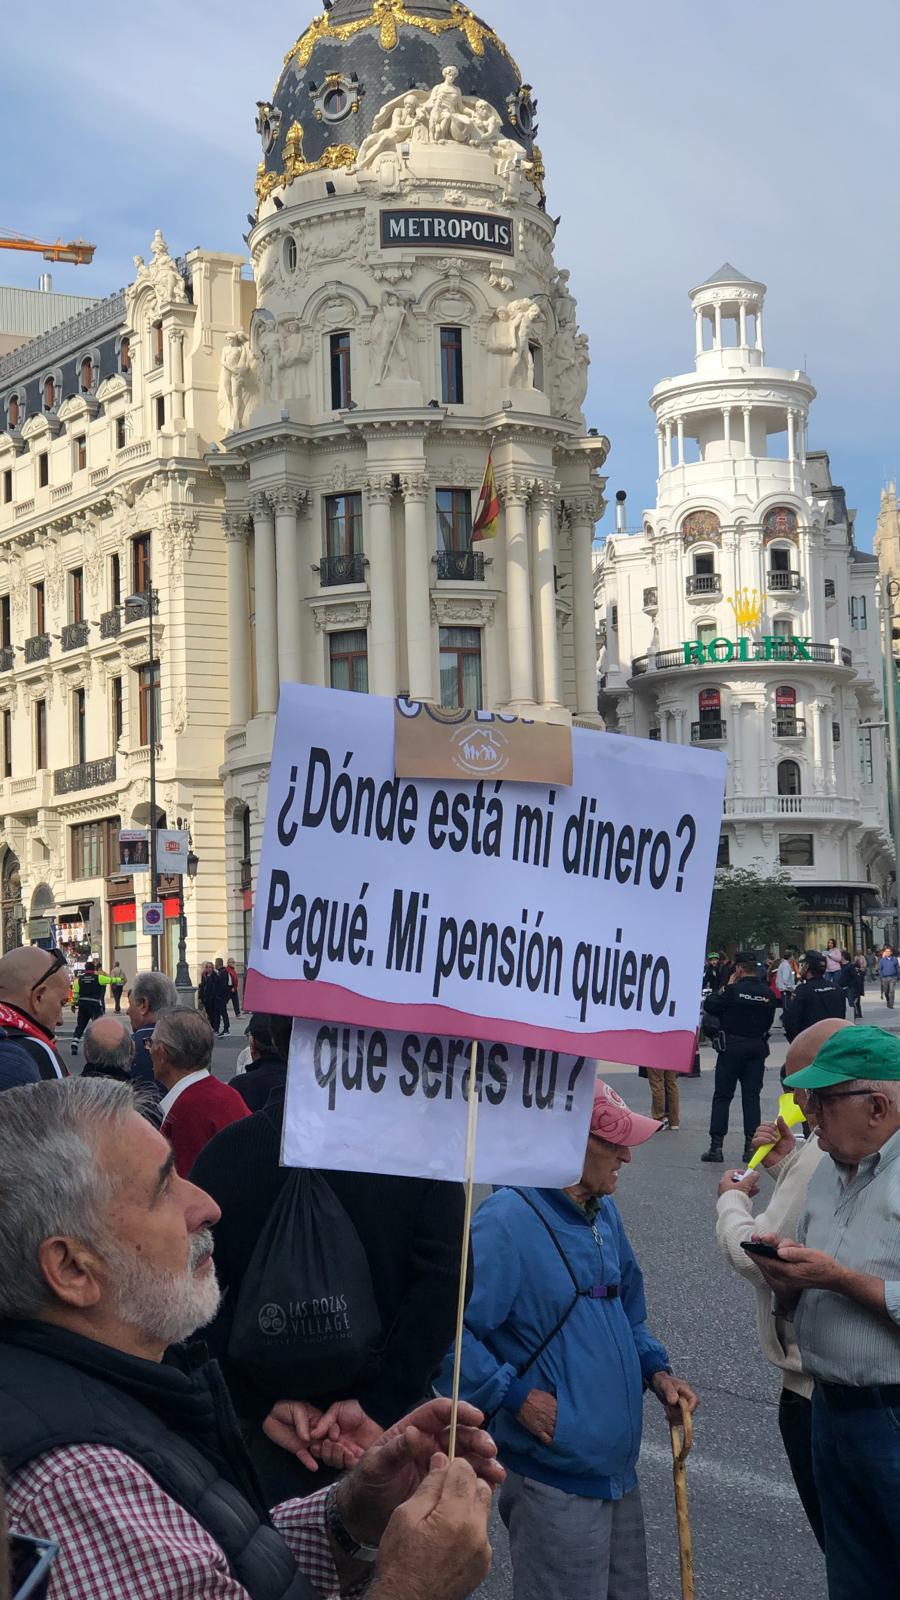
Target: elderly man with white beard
(124,1449)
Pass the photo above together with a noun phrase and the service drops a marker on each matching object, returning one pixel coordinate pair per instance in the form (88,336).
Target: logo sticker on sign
(430,743)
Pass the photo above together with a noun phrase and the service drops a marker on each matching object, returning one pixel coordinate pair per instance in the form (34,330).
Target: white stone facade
(410,317)
(107,420)
(743,617)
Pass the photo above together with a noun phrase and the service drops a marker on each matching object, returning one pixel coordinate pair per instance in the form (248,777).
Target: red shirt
(198,1112)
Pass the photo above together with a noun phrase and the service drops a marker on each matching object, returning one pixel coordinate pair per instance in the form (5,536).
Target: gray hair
(889,1088)
(159,992)
(109,1057)
(50,1181)
(186,1037)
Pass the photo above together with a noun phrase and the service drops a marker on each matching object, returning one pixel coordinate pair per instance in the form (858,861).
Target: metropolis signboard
(444,230)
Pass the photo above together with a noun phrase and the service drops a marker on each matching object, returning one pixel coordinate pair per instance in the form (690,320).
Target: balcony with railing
(111,624)
(784,582)
(75,635)
(789,728)
(7,658)
(712,731)
(460,566)
(699,584)
(37,648)
(84,775)
(790,805)
(334,570)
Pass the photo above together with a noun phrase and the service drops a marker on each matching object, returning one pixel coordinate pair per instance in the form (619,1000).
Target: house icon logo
(480,752)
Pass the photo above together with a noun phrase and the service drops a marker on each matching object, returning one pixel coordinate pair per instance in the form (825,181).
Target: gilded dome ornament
(388,16)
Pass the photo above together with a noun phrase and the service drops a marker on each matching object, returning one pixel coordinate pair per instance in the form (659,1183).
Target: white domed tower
(742,617)
(410,319)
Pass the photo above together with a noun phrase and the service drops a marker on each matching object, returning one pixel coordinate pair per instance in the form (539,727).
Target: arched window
(709,705)
(783,628)
(789,778)
(87,375)
(290,253)
(156,343)
(125,354)
(49,394)
(786,712)
(780,523)
(706,632)
(13,411)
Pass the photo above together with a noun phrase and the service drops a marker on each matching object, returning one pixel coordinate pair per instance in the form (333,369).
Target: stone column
(681,441)
(742,317)
(726,420)
(545,585)
(176,337)
(234,524)
(583,616)
(419,650)
(815,715)
(287,502)
(518,595)
(698,331)
(747,441)
(661,449)
(759,331)
(718,327)
(668,427)
(265,606)
(383,623)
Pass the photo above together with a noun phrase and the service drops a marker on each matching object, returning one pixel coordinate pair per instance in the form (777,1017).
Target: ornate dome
(360,54)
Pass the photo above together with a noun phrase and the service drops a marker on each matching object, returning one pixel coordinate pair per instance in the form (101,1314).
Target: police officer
(743,1012)
(817,995)
(90,1001)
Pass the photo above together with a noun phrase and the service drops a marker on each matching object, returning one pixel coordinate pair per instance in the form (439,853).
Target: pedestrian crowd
(228,1379)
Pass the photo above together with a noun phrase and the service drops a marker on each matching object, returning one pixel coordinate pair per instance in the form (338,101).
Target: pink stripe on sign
(328,1002)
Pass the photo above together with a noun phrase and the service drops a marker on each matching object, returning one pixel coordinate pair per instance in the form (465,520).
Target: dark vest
(175,1420)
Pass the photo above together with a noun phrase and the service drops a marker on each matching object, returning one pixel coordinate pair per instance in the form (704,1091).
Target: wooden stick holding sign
(471,1132)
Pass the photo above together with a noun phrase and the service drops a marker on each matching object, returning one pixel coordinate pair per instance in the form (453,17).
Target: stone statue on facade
(268,355)
(388,341)
(448,118)
(442,115)
(565,306)
(295,355)
(399,122)
(166,279)
(237,382)
(513,335)
(571,362)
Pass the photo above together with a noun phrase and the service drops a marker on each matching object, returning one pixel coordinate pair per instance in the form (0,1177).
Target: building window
(149,709)
(156,344)
(454,519)
(290,253)
(537,362)
(116,710)
(40,734)
(115,581)
(5,622)
(836,732)
(723,855)
(349,660)
(43,469)
(782,628)
(706,632)
(866,757)
(704,564)
(79,727)
(95,848)
(87,375)
(709,705)
(460,661)
(140,563)
(79,452)
(38,608)
(13,411)
(789,778)
(49,394)
(159,410)
(7,485)
(7,744)
(795,850)
(614,618)
(859,621)
(785,715)
(343,562)
(125,354)
(341,390)
(779,559)
(452,389)
(120,433)
(76,594)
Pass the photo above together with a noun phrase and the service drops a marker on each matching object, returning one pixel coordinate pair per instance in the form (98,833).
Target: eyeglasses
(59,961)
(821,1102)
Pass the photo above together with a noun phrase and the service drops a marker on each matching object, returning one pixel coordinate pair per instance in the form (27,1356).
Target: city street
(750,1536)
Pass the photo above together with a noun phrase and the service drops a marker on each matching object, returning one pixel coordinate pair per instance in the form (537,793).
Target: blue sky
(677,135)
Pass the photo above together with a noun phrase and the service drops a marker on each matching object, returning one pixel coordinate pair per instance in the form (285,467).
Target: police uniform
(744,1011)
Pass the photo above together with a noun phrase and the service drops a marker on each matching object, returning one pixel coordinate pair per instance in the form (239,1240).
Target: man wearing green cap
(841,1285)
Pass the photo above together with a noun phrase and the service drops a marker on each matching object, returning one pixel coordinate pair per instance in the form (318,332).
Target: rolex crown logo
(747,607)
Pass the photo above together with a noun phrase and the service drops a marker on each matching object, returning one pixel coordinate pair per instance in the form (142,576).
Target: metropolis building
(410,316)
(742,617)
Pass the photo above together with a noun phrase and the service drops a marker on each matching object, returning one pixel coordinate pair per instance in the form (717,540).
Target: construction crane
(77,251)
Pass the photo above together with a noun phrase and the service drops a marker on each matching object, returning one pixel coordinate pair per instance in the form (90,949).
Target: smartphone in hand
(755,1247)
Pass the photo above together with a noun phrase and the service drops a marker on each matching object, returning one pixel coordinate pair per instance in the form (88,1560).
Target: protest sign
(366,1100)
(572,919)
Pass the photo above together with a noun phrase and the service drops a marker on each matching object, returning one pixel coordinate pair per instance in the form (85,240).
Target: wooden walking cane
(682,1439)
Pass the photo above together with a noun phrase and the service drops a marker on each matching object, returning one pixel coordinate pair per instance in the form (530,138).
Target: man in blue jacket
(557,1350)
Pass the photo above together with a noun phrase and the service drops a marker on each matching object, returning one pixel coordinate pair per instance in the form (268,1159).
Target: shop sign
(768,648)
(444,230)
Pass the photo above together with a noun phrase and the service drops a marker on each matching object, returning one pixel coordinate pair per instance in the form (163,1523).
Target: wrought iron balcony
(111,623)
(75,635)
(138,609)
(710,732)
(784,582)
(461,566)
(342,569)
(37,648)
(84,775)
(651,599)
(789,728)
(703,583)
(7,658)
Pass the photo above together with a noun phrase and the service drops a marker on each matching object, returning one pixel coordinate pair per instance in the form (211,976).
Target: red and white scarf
(12,1018)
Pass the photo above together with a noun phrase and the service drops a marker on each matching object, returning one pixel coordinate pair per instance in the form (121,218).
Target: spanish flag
(487,514)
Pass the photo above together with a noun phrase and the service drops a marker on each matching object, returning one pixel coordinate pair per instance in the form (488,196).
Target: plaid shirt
(120,1534)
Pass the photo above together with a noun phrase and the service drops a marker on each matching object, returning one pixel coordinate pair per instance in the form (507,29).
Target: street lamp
(182,975)
(148,600)
(890,591)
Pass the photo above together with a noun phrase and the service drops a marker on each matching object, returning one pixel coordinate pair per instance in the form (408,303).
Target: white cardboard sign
(573,919)
(366,1100)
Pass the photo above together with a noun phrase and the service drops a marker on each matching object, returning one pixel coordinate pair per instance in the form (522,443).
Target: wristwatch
(341,1535)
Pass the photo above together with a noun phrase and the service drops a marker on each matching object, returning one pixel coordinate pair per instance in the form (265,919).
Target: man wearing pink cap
(556,1350)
